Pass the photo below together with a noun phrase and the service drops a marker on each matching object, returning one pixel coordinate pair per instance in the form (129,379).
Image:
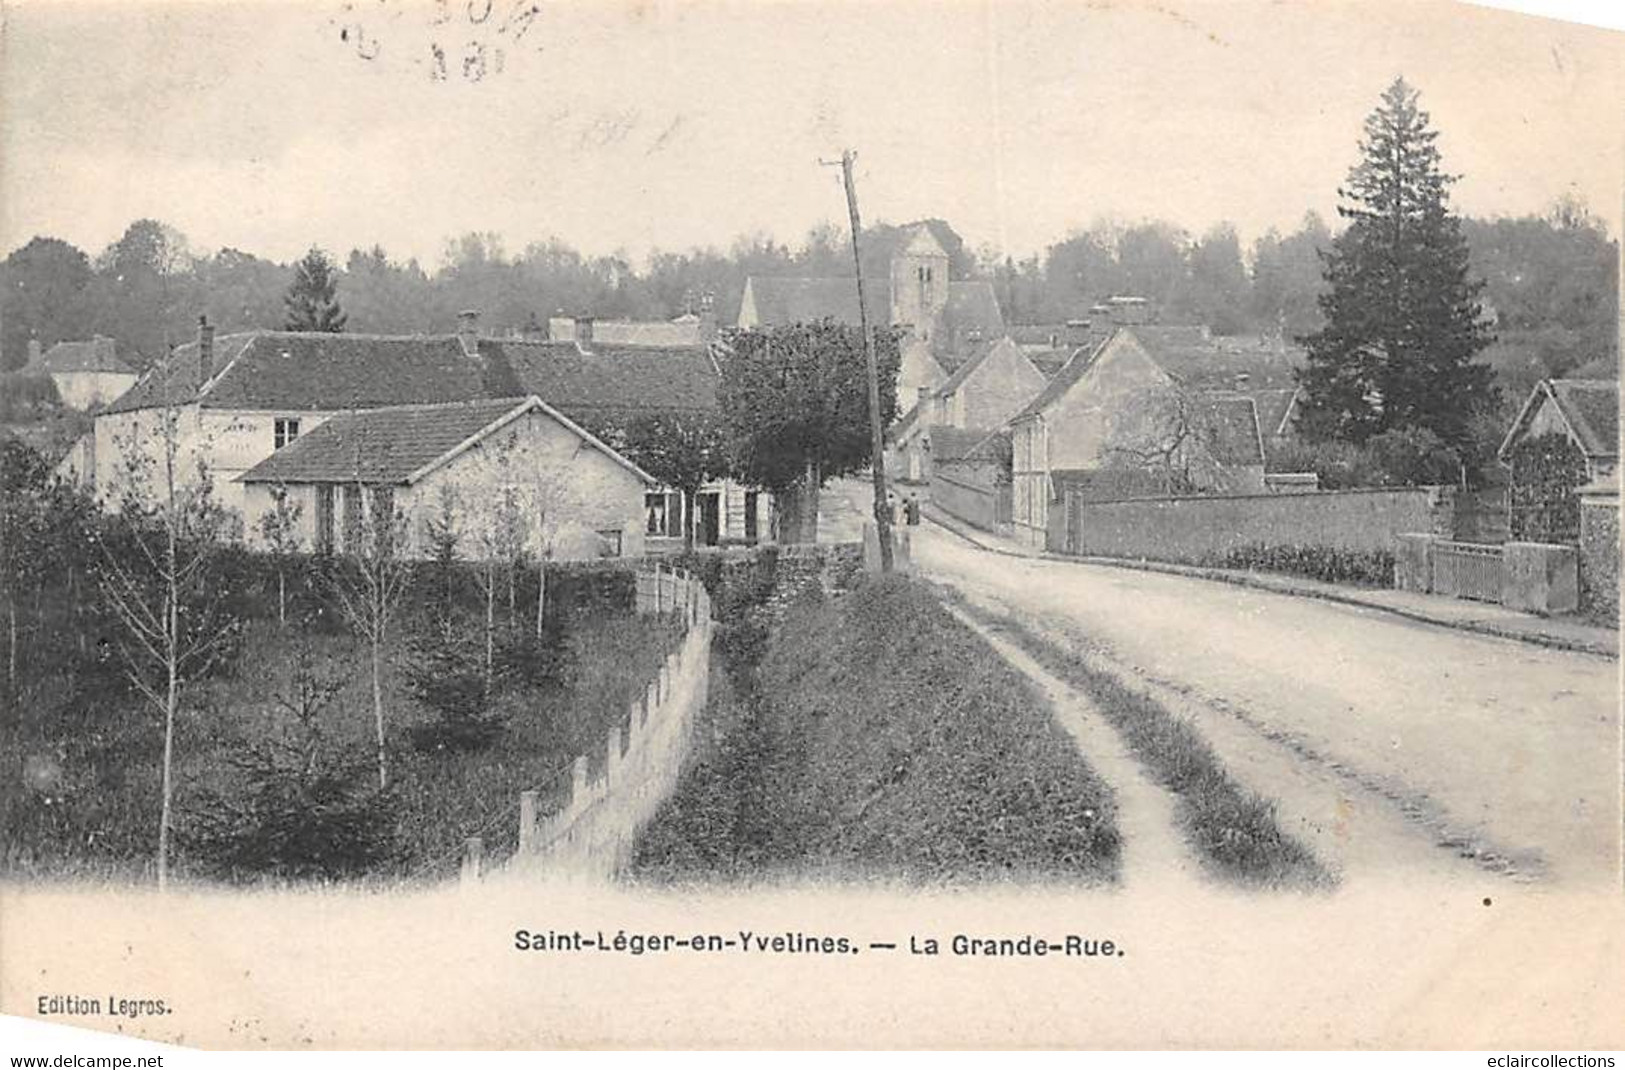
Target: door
(752,498)
(710,518)
(324,518)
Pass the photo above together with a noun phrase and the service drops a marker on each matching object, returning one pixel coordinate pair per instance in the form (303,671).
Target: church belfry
(919,281)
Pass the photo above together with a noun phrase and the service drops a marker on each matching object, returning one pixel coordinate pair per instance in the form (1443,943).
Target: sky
(635,126)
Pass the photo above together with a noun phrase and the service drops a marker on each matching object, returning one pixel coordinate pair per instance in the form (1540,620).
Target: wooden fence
(1466,570)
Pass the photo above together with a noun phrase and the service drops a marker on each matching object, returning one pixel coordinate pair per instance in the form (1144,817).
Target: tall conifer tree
(312,298)
(1403,321)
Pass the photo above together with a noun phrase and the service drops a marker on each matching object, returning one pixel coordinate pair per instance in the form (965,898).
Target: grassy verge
(1232,830)
(875,737)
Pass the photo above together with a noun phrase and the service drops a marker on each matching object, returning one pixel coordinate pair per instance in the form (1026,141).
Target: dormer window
(284,431)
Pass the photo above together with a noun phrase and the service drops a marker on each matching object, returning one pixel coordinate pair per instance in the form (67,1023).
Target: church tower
(919,281)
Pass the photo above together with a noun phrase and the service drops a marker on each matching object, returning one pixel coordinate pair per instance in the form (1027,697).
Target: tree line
(1550,281)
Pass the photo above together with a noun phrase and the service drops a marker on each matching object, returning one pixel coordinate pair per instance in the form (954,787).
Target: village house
(1585,411)
(696,326)
(992,385)
(238,398)
(86,374)
(945,321)
(503,471)
(1148,404)
(1545,484)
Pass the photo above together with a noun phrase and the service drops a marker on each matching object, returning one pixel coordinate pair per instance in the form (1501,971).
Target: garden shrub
(306,802)
(1374,568)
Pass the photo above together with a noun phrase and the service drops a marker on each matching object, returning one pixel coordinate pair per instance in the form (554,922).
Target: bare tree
(280,529)
(155,569)
(502,546)
(443,531)
(1169,432)
(369,583)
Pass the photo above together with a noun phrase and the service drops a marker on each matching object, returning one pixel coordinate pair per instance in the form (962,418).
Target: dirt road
(1394,749)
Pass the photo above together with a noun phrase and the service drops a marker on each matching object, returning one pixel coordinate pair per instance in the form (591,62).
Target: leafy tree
(1414,456)
(1217,290)
(144,293)
(682,450)
(795,411)
(241,291)
(43,298)
(312,298)
(1402,315)
(25,485)
(1286,283)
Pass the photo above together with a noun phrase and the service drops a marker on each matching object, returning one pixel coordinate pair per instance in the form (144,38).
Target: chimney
(468,331)
(533,331)
(205,350)
(584,333)
(1077,332)
(33,351)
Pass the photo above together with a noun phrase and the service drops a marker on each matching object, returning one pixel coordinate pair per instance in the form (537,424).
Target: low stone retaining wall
(1533,577)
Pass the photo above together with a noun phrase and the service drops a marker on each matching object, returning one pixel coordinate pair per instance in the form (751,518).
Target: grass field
(874,737)
(86,801)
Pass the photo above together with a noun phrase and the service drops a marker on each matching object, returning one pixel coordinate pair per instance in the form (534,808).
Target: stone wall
(972,500)
(1199,528)
(1599,551)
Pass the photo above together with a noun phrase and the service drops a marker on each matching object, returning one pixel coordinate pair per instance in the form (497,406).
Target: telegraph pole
(876,432)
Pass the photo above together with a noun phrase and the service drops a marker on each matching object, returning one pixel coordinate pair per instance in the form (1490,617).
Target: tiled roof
(1064,379)
(1241,365)
(1229,429)
(1048,335)
(400,443)
(313,372)
(316,371)
(1050,361)
(781,301)
(96,355)
(1107,484)
(962,444)
(972,305)
(1215,363)
(1592,408)
(613,379)
(977,358)
(383,445)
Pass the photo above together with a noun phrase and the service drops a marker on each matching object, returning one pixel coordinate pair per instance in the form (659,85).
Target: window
(324,519)
(663,514)
(610,543)
(284,430)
